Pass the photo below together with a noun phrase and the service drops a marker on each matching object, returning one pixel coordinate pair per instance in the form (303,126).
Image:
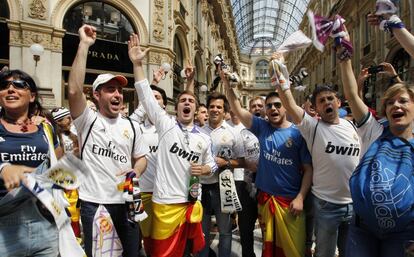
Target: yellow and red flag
(173,225)
(283,233)
(146,224)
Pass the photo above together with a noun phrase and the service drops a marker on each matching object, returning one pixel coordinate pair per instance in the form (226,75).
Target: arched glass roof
(269,21)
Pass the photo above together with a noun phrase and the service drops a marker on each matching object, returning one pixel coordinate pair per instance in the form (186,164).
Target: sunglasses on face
(18,84)
(277,105)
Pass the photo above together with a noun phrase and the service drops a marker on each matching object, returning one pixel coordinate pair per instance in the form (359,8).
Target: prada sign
(103,55)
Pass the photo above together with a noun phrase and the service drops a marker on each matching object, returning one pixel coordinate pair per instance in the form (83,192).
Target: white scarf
(67,174)
(228,195)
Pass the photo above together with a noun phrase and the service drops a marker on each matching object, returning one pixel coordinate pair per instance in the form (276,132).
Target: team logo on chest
(126,133)
(289,142)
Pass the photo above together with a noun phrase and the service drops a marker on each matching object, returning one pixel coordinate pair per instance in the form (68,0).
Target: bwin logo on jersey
(351,150)
(190,156)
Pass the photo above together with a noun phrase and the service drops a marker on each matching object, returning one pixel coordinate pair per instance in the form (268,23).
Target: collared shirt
(227,144)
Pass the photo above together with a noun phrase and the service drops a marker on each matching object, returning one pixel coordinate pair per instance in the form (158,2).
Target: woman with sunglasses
(24,145)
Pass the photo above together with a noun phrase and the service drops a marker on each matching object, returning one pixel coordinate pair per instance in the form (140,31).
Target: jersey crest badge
(289,142)
(199,146)
(126,133)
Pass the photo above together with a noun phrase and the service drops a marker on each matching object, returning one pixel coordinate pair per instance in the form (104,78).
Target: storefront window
(111,23)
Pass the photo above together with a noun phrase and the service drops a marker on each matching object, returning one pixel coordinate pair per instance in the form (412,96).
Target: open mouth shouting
(329,110)
(186,110)
(397,115)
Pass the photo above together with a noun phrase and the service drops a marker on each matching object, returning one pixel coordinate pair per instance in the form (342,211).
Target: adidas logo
(2,139)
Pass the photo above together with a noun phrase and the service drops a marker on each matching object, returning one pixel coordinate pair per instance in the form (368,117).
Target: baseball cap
(59,113)
(103,78)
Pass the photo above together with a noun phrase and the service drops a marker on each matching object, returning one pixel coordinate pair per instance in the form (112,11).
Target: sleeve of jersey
(307,125)
(369,130)
(84,120)
(256,123)
(155,113)
(239,146)
(141,148)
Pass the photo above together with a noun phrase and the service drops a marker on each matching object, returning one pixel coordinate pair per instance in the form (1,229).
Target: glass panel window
(111,23)
(269,20)
(4,10)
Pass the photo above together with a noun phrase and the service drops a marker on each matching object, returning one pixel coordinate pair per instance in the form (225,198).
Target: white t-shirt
(227,143)
(335,151)
(107,151)
(150,137)
(178,147)
(251,152)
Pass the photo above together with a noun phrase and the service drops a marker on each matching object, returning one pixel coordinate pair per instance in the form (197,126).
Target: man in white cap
(110,145)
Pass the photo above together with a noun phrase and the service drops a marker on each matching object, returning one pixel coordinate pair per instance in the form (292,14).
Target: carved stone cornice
(25,34)
(158,55)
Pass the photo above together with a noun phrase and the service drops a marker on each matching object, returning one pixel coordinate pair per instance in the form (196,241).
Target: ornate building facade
(371,47)
(177,31)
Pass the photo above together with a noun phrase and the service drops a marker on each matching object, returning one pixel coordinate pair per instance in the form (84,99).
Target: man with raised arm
(110,145)
(283,177)
(183,151)
(335,148)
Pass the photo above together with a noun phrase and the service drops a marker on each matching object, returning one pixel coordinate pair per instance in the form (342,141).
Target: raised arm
(189,75)
(406,40)
(358,107)
(295,112)
(403,36)
(245,116)
(77,99)
(136,55)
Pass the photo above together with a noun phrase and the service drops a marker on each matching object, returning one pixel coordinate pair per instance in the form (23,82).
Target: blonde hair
(394,90)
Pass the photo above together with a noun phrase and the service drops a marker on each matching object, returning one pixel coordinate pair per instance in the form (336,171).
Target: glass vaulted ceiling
(262,25)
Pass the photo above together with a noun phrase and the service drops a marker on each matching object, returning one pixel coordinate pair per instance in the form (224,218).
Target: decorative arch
(135,17)
(182,38)
(16,9)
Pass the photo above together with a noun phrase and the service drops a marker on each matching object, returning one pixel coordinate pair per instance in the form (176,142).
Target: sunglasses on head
(18,84)
(277,105)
